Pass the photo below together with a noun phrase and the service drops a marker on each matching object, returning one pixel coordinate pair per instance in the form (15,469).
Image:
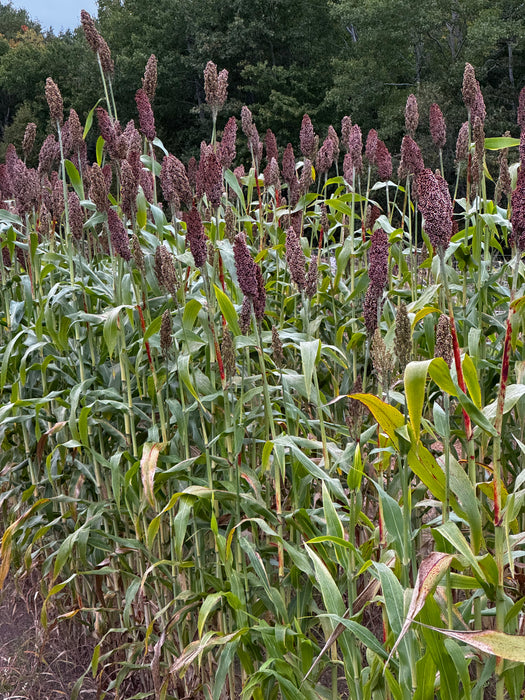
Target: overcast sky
(58,14)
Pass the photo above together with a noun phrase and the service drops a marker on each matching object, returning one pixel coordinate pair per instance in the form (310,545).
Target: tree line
(285,58)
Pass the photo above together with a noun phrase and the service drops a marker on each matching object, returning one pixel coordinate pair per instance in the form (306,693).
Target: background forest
(285,58)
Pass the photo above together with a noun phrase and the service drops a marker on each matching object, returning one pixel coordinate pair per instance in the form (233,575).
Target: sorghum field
(262,416)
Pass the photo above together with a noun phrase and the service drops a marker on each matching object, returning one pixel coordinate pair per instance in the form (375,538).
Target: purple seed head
(54,101)
(435,205)
(244,266)
(307,138)
(411,158)
(149,81)
(462,144)
(371,146)
(346,128)
(295,258)
(195,236)
(270,143)
(383,161)
(29,139)
(438,128)
(146,118)
(119,235)
(411,115)
(227,149)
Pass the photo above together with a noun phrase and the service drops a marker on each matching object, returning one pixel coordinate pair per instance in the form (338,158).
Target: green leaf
(452,533)
(462,488)
(440,373)
(228,311)
(231,181)
(89,119)
(476,414)
(206,608)
(75,179)
(415,380)
(498,142)
(99,150)
(471,380)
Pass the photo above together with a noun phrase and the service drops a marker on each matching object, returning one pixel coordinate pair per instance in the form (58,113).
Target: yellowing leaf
(148,464)
(428,576)
(507,646)
(388,417)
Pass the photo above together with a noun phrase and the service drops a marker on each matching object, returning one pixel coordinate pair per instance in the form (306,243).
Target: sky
(58,14)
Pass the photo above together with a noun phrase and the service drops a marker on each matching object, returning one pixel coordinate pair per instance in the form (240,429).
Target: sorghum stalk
(500,523)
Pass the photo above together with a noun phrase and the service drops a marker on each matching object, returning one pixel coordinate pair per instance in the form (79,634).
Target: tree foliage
(284,57)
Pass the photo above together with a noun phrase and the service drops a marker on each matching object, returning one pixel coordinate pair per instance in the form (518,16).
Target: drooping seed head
(372,308)
(259,301)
